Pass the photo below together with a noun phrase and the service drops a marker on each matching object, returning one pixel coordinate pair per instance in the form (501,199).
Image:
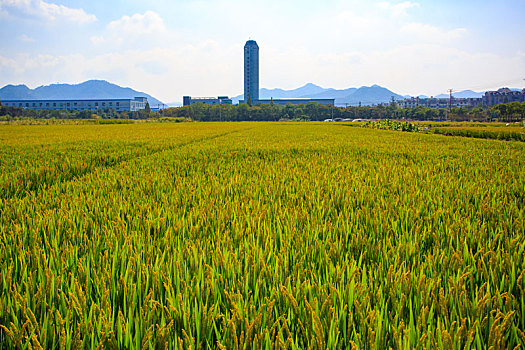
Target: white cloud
(166,73)
(416,68)
(209,68)
(10,65)
(354,22)
(97,40)
(148,23)
(351,43)
(398,10)
(44,10)
(429,33)
(25,38)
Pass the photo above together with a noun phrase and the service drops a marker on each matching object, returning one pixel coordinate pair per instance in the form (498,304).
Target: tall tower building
(251,72)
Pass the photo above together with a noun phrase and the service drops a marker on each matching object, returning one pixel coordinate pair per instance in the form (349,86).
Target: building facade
(120,105)
(491,98)
(251,71)
(504,95)
(221,100)
(298,101)
(439,102)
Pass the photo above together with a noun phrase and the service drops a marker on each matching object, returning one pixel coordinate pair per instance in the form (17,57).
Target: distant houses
(491,98)
(504,95)
(438,102)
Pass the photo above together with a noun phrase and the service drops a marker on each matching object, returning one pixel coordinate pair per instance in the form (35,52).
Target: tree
(312,110)
(243,112)
(197,111)
(501,110)
(515,110)
(289,109)
(147,108)
(476,113)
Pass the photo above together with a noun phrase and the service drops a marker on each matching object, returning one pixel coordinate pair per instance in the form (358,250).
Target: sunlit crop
(514,132)
(259,235)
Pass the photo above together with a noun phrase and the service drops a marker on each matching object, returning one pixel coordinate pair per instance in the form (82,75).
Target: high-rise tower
(251,72)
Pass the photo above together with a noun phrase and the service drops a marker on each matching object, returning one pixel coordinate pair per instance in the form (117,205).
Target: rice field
(513,132)
(259,235)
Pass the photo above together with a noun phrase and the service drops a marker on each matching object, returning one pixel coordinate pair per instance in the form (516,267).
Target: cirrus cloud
(148,23)
(430,33)
(44,10)
(398,10)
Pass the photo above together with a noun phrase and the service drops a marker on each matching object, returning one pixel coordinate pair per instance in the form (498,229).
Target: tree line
(311,111)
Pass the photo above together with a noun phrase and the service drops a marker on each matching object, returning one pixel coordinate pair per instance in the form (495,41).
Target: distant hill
(17,92)
(463,94)
(91,89)
(372,95)
(307,90)
(333,93)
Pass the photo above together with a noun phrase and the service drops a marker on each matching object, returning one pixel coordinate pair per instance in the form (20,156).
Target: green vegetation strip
(270,236)
(388,124)
(515,133)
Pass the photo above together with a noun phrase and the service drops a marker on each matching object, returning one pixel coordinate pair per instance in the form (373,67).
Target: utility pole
(449,103)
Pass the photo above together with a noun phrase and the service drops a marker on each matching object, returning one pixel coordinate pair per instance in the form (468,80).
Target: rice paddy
(514,132)
(259,235)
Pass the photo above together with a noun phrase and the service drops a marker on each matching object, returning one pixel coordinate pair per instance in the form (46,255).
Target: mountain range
(463,94)
(365,95)
(91,89)
(101,89)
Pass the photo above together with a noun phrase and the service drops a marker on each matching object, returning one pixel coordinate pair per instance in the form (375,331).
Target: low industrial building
(221,100)
(294,101)
(120,105)
(438,102)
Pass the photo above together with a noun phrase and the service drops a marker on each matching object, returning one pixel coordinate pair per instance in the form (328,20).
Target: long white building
(438,102)
(120,105)
(221,100)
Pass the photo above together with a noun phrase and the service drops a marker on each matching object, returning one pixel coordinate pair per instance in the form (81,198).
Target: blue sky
(172,48)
